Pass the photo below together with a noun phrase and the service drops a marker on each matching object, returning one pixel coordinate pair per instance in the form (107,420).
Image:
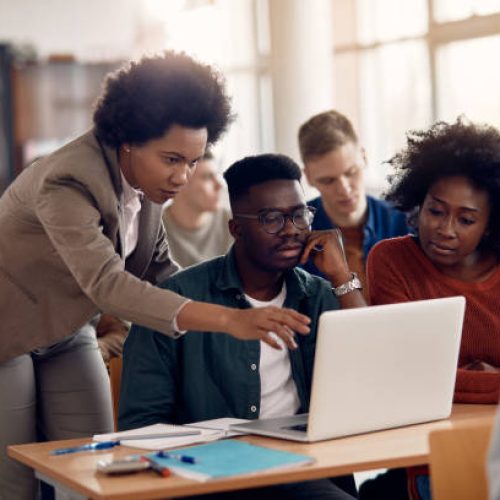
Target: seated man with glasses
(200,377)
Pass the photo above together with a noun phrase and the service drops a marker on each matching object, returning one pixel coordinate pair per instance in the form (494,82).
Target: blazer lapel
(149,224)
(111,159)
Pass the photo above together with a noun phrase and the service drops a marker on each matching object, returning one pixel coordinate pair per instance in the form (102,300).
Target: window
(234,37)
(453,10)
(403,65)
(467,81)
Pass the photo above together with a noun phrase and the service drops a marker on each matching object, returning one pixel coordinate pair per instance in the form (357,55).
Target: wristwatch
(349,286)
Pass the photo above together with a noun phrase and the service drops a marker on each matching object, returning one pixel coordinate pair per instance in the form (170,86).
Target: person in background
(334,164)
(111,333)
(448,179)
(209,376)
(82,234)
(196,222)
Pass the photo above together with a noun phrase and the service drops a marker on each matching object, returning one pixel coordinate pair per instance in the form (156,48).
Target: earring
(126,149)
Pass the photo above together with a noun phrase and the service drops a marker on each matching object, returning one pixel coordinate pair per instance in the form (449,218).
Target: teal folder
(229,458)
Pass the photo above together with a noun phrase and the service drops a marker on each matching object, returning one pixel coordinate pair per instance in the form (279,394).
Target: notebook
(163,436)
(375,368)
(229,458)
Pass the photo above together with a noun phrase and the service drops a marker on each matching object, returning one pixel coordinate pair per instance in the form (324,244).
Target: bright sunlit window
(400,67)
(223,33)
(467,80)
(453,10)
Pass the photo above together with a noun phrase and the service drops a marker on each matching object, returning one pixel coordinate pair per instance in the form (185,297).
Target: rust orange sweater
(398,271)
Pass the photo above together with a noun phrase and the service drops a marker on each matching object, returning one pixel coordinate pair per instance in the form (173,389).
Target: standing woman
(448,180)
(81,234)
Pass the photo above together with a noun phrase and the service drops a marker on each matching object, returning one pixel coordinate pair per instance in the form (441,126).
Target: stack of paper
(229,458)
(164,436)
(161,436)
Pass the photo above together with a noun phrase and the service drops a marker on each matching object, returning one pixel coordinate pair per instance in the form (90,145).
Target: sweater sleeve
(477,387)
(387,284)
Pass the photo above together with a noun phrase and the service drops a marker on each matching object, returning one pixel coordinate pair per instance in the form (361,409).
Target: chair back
(115,375)
(458,462)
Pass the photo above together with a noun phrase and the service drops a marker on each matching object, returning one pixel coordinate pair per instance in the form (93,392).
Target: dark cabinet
(45,105)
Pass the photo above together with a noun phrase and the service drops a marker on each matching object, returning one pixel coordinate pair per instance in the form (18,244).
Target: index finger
(310,245)
(294,320)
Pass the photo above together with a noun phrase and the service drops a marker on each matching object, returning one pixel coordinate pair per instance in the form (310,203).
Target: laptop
(376,368)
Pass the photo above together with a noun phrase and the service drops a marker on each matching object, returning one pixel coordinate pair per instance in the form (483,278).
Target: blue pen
(177,456)
(104,445)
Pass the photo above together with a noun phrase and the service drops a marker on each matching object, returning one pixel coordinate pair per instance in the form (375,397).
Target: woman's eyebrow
(471,209)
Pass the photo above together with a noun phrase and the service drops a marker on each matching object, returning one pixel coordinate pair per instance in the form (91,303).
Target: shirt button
(253,408)
(253,366)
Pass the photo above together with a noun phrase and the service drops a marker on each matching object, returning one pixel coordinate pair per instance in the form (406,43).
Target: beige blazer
(61,251)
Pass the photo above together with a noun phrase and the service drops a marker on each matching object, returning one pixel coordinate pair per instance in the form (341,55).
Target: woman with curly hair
(82,234)
(448,181)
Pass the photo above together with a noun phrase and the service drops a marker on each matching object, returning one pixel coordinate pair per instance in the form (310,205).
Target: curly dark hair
(143,100)
(253,170)
(461,148)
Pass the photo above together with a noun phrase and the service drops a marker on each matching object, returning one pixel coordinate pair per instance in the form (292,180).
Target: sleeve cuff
(178,333)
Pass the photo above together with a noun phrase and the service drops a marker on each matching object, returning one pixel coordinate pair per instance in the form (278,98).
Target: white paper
(173,442)
(210,430)
(160,443)
(154,429)
(221,424)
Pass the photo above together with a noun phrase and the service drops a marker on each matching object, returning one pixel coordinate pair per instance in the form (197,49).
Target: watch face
(353,284)
(356,283)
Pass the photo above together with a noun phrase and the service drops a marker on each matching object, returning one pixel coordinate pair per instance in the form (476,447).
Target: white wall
(87,29)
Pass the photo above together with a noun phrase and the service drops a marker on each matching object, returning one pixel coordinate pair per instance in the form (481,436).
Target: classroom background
(389,65)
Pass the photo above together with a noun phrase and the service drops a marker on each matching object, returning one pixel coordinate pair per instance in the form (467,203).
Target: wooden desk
(392,448)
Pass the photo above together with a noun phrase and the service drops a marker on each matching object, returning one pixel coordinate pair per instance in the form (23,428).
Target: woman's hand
(327,252)
(245,324)
(480,366)
(265,323)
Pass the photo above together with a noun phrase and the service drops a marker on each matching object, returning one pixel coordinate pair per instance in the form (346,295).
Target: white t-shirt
(278,396)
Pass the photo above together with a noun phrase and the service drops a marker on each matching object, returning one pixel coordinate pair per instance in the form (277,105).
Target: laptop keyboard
(299,427)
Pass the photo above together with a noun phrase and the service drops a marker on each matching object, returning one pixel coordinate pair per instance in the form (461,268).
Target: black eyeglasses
(273,221)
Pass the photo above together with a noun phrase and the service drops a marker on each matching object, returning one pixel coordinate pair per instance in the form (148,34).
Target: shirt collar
(323,220)
(129,193)
(370,216)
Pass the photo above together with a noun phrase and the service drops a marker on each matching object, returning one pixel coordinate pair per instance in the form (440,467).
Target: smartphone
(122,466)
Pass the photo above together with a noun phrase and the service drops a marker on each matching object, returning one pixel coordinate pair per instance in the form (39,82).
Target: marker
(159,469)
(177,456)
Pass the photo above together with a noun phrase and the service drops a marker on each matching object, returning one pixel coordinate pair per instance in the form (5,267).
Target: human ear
(234,228)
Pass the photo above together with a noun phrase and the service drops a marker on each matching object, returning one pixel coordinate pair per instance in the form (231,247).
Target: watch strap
(353,284)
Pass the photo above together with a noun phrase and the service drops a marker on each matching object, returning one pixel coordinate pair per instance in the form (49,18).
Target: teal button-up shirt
(211,375)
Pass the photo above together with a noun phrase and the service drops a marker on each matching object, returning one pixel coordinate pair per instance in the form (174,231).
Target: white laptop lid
(384,366)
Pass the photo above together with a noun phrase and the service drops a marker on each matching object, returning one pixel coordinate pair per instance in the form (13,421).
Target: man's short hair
(323,133)
(253,170)
(208,155)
